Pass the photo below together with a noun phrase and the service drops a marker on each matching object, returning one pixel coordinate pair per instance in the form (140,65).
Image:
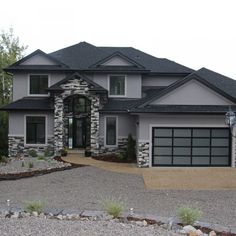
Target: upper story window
(38,84)
(117,85)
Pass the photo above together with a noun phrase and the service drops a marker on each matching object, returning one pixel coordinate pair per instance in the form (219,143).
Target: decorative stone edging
(34,173)
(142,220)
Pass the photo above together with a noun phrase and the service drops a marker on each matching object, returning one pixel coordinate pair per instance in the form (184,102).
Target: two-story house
(86,96)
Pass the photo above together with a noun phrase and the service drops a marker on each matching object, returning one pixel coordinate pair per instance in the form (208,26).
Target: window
(38,84)
(111,131)
(117,85)
(35,130)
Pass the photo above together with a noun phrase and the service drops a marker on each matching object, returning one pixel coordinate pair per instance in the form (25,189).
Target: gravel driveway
(86,187)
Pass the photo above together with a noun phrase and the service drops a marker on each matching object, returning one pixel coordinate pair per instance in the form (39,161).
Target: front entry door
(79,133)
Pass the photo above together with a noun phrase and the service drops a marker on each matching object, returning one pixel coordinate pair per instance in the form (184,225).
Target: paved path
(220,178)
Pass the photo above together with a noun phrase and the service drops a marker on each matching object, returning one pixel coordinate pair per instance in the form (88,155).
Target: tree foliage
(10,51)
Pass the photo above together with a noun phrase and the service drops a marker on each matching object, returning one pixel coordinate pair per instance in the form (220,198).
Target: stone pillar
(143,154)
(94,139)
(58,123)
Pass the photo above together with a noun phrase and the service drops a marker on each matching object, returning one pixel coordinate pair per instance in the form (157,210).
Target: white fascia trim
(108,86)
(46,131)
(105,131)
(38,95)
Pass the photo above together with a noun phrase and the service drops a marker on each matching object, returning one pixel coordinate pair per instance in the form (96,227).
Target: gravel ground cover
(86,188)
(22,165)
(37,226)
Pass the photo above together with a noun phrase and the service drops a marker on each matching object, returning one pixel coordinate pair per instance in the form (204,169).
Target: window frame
(35,94)
(25,130)
(125,89)
(105,131)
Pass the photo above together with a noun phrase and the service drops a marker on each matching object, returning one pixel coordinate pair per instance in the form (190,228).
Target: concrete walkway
(213,178)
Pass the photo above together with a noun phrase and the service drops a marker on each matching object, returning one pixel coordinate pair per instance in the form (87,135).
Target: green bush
(30,165)
(32,153)
(43,158)
(36,206)
(131,152)
(3,159)
(63,152)
(113,207)
(49,151)
(188,215)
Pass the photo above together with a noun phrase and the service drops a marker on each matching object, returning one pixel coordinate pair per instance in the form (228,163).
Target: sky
(195,33)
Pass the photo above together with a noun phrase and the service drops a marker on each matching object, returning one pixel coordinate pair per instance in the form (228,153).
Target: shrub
(188,215)
(113,207)
(131,152)
(22,164)
(48,152)
(30,165)
(32,153)
(36,206)
(43,158)
(3,159)
(63,152)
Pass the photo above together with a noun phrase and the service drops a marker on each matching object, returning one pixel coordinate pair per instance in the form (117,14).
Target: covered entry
(191,146)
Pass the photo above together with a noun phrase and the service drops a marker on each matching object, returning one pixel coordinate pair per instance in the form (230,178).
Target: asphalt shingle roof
(81,56)
(30,103)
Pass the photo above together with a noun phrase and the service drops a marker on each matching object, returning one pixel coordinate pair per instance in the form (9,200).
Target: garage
(191,146)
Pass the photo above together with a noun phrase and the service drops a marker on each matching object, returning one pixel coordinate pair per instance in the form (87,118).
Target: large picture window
(38,84)
(117,85)
(35,130)
(111,131)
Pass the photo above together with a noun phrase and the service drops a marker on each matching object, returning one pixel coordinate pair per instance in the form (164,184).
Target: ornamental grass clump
(113,207)
(34,206)
(188,215)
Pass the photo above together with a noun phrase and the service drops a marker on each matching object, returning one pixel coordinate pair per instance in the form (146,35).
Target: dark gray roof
(201,109)
(83,55)
(217,82)
(30,103)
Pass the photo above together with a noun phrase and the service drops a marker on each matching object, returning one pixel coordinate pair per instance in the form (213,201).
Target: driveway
(179,178)
(87,187)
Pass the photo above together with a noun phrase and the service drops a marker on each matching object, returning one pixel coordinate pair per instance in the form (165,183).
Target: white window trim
(46,133)
(105,131)
(108,84)
(38,95)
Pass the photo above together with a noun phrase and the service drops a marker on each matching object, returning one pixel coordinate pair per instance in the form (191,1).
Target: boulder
(189,228)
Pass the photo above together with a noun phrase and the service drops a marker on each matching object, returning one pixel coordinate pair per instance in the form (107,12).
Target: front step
(76,151)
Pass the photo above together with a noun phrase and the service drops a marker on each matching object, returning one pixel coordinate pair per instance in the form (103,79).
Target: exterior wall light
(230,118)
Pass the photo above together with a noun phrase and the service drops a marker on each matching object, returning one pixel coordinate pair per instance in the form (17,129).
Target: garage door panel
(163,160)
(191,146)
(182,160)
(201,160)
(200,151)
(219,160)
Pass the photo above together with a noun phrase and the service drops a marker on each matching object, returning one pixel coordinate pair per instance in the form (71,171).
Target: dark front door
(80,137)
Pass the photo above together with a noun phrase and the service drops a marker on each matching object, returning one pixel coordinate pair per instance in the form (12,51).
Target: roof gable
(209,82)
(117,59)
(39,58)
(192,93)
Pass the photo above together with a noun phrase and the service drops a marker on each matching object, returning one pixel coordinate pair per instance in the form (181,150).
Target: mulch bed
(32,173)
(112,158)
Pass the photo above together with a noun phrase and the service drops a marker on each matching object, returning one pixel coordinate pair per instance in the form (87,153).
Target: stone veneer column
(143,154)
(94,139)
(58,123)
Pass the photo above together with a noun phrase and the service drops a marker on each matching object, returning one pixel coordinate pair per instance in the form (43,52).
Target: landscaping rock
(35,213)
(189,228)
(212,233)
(59,217)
